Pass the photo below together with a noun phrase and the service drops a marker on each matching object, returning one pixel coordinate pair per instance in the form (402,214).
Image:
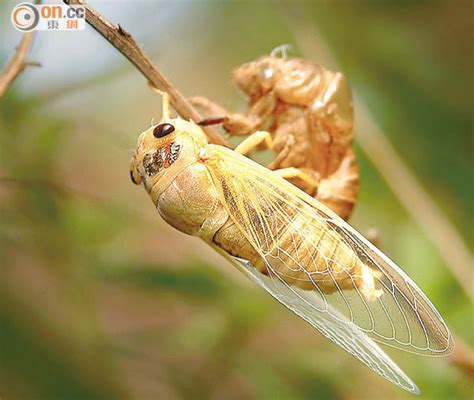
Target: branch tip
(125,44)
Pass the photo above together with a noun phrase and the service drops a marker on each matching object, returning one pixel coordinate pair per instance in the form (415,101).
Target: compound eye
(163,130)
(266,73)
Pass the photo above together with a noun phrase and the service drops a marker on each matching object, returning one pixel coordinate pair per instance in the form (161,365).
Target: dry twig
(125,44)
(463,356)
(17,63)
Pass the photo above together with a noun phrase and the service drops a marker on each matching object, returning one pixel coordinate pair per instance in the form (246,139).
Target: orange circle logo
(25,17)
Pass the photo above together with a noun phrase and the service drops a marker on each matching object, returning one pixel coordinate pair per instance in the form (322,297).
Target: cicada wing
(266,207)
(338,329)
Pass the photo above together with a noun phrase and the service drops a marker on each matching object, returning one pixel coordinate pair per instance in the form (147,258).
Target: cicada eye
(163,130)
(266,73)
(267,76)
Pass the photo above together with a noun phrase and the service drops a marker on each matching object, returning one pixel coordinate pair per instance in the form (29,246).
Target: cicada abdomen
(305,252)
(339,190)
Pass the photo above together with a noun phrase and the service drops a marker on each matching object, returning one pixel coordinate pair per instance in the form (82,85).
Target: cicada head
(260,76)
(165,149)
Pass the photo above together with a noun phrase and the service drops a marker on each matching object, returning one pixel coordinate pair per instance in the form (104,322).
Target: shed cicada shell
(290,244)
(308,111)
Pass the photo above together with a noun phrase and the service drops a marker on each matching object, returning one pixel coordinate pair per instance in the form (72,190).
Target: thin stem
(125,44)
(17,63)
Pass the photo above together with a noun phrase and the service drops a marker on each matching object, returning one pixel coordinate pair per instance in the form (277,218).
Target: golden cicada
(290,244)
(308,111)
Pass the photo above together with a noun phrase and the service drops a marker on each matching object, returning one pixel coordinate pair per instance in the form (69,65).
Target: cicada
(293,246)
(308,111)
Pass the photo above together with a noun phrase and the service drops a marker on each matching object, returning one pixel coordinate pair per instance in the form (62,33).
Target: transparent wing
(338,329)
(280,222)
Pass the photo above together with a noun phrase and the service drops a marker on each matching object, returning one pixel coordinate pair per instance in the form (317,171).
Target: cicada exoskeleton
(308,110)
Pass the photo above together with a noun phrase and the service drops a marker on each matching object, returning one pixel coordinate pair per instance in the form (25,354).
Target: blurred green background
(100,299)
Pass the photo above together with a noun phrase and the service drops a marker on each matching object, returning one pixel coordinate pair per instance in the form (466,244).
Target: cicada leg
(209,107)
(234,123)
(253,141)
(165,101)
(311,178)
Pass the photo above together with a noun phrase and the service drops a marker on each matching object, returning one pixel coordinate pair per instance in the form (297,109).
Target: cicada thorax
(314,110)
(191,203)
(325,137)
(323,99)
(338,190)
(330,120)
(300,81)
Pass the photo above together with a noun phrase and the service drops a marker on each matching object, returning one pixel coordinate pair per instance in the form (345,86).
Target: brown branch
(17,63)
(125,44)
(463,356)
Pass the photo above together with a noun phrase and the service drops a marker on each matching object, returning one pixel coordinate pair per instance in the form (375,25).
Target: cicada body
(290,244)
(308,110)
